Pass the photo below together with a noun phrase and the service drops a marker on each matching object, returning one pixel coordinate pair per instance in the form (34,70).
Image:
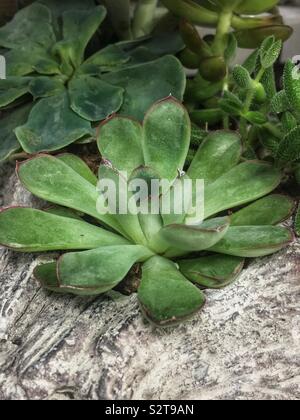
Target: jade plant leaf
(169,80)
(120,141)
(250,7)
(8,140)
(213,271)
(165,295)
(253,241)
(52,125)
(31,25)
(35,230)
(165,149)
(93,99)
(252,38)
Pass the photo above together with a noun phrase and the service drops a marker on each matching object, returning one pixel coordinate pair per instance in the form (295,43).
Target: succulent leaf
(212,272)
(51,179)
(30,230)
(199,237)
(79,166)
(291,81)
(12,89)
(245,183)
(120,141)
(93,99)
(253,241)
(218,154)
(52,125)
(289,148)
(165,295)
(98,270)
(165,146)
(269,210)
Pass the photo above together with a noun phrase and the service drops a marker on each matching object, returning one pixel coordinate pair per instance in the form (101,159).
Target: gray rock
(245,344)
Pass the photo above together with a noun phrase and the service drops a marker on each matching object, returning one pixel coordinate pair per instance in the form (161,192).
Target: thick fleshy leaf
(252,38)
(121,196)
(120,141)
(153,81)
(99,270)
(166,144)
(31,25)
(43,86)
(245,183)
(198,237)
(78,28)
(150,221)
(13,88)
(52,180)
(64,212)
(219,153)
(212,272)
(165,295)
(46,275)
(8,140)
(27,59)
(30,230)
(256,7)
(254,241)
(269,210)
(108,59)
(289,147)
(52,125)
(79,166)
(94,99)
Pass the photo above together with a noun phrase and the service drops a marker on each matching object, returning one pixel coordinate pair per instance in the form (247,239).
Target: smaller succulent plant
(57,89)
(178,259)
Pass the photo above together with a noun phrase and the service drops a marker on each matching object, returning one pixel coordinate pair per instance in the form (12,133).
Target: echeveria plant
(177,259)
(71,90)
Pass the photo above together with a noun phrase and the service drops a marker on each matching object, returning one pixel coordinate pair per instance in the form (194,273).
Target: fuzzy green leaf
(270,51)
(52,125)
(98,270)
(169,80)
(212,272)
(289,148)
(247,182)
(30,230)
(166,297)
(242,77)
(255,117)
(291,81)
(269,210)
(280,103)
(288,121)
(166,145)
(94,99)
(120,141)
(254,241)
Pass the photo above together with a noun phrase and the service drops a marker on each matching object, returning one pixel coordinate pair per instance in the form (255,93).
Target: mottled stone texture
(245,344)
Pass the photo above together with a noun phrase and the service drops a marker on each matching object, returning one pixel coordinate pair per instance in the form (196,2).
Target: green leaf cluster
(57,89)
(177,258)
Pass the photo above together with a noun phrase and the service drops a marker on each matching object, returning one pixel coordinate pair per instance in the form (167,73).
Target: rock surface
(245,344)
